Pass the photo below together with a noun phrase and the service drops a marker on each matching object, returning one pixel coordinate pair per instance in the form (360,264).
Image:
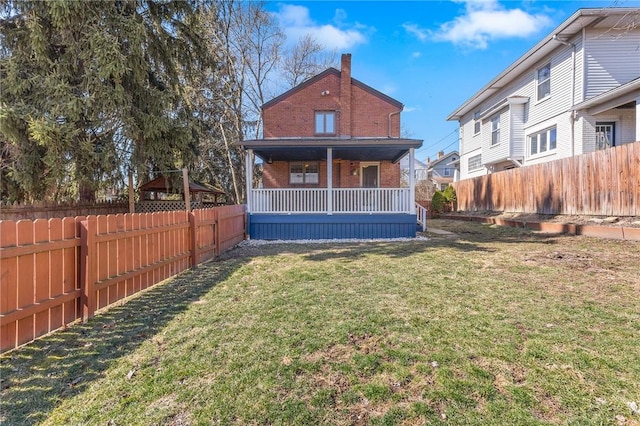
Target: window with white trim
(543,141)
(302,173)
(543,79)
(475,162)
(325,123)
(477,125)
(495,130)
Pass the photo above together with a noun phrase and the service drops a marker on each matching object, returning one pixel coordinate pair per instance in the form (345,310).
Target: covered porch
(352,201)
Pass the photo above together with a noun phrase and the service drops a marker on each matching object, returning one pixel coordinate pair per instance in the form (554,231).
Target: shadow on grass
(38,377)
(466,237)
(391,249)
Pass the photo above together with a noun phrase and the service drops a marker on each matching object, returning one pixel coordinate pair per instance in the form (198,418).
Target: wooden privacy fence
(56,271)
(603,183)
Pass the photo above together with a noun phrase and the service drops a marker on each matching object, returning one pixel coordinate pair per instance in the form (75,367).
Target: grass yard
(489,326)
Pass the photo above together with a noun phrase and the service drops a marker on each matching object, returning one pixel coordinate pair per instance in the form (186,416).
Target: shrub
(443,200)
(437,202)
(449,194)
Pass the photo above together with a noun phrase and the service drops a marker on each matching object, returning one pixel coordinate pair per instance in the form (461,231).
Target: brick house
(330,156)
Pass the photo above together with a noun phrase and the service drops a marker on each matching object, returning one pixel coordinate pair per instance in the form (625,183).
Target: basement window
(475,162)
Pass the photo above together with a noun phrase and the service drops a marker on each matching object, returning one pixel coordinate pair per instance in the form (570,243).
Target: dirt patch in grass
(626,221)
(363,382)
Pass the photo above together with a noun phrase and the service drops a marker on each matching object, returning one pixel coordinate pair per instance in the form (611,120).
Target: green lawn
(490,326)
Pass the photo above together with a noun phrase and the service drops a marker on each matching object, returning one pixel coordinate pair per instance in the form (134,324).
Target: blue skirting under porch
(320,226)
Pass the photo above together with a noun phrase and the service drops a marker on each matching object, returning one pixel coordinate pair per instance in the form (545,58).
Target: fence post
(88,247)
(193,231)
(187,190)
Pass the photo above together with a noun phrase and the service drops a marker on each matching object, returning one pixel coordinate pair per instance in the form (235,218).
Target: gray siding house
(576,91)
(443,170)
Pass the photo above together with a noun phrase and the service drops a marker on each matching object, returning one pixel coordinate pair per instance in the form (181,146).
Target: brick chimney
(345,96)
(440,154)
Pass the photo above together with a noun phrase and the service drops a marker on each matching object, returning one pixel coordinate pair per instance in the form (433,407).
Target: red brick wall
(371,115)
(294,116)
(276,175)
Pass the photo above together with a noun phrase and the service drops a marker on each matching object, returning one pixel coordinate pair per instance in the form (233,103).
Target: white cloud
(421,34)
(296,22)
(484,21)
(416,54)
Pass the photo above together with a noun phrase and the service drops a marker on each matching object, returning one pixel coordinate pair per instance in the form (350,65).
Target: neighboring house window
(325,123)
(495,130)
(543,141)
(605,135)
(477,123)
(475,162)
(544,81)
(448,172)
(303,173)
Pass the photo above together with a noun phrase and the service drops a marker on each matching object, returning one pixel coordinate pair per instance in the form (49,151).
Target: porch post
(412,183)
(329,180)
(248,173)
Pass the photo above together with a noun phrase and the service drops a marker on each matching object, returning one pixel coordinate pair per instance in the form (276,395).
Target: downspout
(573,88)
(390,114)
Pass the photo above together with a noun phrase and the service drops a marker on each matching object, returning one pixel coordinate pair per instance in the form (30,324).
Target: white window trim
(476,119)
(546,153)
(497,119)
(535,78)
(479,167)
(304,173)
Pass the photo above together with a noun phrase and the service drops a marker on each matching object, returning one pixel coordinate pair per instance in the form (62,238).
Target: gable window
(544,81)
(325,123)
(543,141)
(475,162)
(303,173)
(477,123)
(495,130)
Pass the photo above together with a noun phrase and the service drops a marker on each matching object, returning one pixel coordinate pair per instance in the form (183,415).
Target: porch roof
(315,149)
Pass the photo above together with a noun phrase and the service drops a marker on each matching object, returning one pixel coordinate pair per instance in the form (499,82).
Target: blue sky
(430,55)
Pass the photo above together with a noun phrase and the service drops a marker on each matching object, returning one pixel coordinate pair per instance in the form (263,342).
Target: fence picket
(56,274)
(42,276)
(25,280)
(8,283)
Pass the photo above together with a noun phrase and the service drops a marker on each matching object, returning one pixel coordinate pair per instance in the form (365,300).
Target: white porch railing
(422,216)
(344,200)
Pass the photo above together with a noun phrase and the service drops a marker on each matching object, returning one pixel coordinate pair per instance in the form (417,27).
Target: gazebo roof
(162,184)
